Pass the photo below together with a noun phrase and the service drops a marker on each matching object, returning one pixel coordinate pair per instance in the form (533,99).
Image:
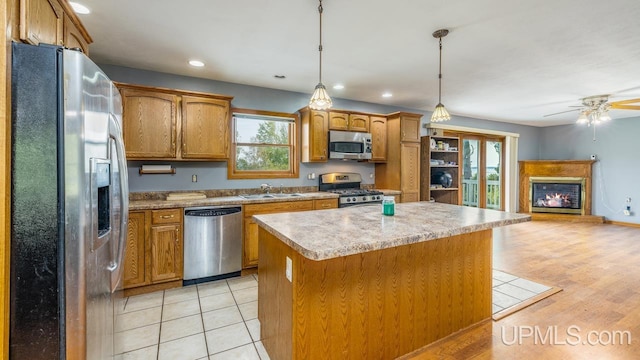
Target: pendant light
(440,113)
(320,100)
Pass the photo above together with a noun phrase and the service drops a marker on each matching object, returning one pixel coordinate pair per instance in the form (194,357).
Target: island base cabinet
(375,305)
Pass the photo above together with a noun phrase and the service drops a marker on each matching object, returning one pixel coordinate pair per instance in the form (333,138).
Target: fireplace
(565,195)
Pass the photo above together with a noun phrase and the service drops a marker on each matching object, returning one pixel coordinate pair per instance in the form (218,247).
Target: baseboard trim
(622,223)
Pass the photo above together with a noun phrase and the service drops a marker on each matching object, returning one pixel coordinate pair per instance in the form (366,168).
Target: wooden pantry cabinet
(250,240)
(402,169)
(167,124)
(51,22)
(154,252)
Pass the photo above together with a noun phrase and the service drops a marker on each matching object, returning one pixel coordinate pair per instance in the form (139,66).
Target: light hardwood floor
(598,268)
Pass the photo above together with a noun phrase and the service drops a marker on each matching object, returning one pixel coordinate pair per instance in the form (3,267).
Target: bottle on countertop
(388,205)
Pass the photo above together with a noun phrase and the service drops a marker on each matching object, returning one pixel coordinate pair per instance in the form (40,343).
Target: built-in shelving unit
(440,157)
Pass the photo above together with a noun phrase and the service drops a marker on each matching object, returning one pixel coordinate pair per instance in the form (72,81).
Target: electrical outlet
(289,270)
(194,178)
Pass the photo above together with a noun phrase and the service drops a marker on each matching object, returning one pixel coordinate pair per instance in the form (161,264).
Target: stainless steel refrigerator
(69,205)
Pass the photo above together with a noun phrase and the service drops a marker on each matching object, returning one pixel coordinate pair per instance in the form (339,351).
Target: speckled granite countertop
(221,200)
(326,234)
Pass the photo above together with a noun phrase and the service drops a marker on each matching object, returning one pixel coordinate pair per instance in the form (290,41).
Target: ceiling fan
(595,109)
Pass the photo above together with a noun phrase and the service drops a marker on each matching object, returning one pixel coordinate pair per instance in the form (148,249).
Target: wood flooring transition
(598,268)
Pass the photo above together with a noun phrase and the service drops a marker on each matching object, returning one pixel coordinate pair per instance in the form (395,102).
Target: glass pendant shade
(582,119)
(440,114)
(320,99)
(605,116)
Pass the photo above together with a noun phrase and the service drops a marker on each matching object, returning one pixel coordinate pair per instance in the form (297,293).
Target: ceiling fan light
(582,119)
(320,99)
(605,116)
(440,114)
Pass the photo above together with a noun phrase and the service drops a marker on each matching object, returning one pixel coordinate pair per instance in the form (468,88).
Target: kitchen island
(368,286)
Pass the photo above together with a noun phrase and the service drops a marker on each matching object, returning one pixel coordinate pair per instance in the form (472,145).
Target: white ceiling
(504,60)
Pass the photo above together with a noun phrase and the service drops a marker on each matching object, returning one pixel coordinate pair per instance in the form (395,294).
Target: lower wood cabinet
(250,243)
(154,248)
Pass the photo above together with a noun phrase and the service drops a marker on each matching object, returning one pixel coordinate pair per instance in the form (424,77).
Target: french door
(482,171)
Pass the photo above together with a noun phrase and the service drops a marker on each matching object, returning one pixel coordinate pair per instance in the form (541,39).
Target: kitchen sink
(268,196)
(286,195)
(256,196)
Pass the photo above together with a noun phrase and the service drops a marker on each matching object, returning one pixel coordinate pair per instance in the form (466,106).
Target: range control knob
(354,199)
(348,200)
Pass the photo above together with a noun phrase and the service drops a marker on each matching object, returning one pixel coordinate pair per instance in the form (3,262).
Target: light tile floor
(509,290)
(214,320)
(219,320)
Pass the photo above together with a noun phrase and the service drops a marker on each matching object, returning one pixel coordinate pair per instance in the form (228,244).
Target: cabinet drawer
(325,204)
(277,207)
(168,216)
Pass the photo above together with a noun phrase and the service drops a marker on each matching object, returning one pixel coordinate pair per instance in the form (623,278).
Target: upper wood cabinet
(41,21)
(345,121)
(359,122)
(314,135)
(205,128)
(378,127)
(52,22)
(149,123)
(156,119)
(410,128)
(73,37)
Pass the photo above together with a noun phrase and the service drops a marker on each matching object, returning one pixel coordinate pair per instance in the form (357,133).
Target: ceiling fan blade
(561,112)
(626,104)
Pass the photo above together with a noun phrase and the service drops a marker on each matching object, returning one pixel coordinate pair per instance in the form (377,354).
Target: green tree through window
(264,145)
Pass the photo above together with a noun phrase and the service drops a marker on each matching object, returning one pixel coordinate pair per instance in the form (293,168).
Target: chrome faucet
(265,188)
(280,188)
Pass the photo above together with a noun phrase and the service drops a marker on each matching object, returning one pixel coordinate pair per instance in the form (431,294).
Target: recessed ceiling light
(387,94)
(79,8)
(196,63)
(279,76)
(338,86)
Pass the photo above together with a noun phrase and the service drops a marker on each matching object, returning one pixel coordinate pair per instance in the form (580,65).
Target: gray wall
(213,175)
(617,170)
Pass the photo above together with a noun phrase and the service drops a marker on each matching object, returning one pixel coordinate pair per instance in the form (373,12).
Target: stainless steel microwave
(349,145)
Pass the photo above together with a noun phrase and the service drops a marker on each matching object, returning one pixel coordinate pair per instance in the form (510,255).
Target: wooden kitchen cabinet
(314,135)
(410,127)
(205,128)
(402,169)
(41,21)
(51,22)
(344,121)
(156,119)
(250,241)
(149,123)
(136,258)
(320,204)
(378,127)
(73,37)
(154,254)
(359,122)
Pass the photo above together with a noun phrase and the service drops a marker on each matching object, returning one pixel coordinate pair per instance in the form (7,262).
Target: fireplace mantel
(555,168)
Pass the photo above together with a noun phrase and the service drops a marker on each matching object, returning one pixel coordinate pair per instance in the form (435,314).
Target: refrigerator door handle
(115,132)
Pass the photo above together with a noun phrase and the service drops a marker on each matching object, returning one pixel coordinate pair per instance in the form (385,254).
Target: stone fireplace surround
(557,169)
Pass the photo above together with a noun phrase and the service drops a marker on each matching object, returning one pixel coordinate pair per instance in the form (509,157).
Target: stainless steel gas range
(347,186)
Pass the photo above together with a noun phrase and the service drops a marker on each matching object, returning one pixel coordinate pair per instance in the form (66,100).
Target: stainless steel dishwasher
(212,243)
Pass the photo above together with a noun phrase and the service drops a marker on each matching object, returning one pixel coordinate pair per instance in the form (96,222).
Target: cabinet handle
(167,217)
(177,237)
